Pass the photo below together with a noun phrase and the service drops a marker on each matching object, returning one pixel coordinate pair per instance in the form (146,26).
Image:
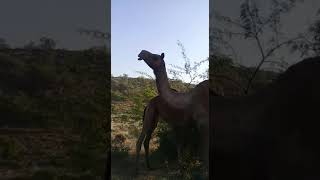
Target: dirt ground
(123,164)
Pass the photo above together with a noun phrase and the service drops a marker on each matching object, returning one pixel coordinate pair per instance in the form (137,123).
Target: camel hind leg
(154,119)
(146,148)
(150,121)
(148,138)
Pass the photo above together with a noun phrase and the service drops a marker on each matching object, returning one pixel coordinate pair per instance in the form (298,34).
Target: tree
(47,43)
(252,25)
(30,45)
(225,75)
(189,70)
(310,43)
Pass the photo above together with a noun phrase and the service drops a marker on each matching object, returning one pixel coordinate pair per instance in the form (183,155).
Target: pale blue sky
(156,26)
(25,21)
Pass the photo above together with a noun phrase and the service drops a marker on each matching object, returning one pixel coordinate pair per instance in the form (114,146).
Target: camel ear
(162,55)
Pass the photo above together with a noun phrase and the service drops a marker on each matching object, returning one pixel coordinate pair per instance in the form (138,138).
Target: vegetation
(54,121)
(129,97)
(230,79)
(262,28)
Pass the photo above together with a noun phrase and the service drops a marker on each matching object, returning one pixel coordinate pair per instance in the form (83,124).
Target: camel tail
(144,113)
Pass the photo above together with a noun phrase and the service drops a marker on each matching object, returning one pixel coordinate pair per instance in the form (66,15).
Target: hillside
(52,105)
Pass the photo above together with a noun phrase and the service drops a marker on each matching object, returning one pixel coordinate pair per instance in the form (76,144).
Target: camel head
(154,61)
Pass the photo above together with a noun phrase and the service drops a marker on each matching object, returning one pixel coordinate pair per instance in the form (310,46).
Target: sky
(140,24)
(23,21)
(156,26)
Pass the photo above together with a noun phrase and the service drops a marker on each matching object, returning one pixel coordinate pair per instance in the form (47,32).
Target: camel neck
(162,80)
(174,99)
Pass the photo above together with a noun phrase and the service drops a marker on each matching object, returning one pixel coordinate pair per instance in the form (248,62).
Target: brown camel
(194,104)
(272,134)
(156,108)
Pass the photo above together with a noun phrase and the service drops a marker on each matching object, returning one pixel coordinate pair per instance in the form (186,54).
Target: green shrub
(10,148)
(116,96)
(188,164)
(167,145)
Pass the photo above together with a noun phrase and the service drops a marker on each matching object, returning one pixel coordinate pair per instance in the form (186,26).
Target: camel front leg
(146,148)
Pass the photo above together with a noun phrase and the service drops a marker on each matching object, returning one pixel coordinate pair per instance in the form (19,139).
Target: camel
(272,134)
(156,108)
(194,103)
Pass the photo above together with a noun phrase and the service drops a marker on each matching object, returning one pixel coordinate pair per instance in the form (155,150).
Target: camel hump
(204,83)
(305,69)
(309,63)
(144,113)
